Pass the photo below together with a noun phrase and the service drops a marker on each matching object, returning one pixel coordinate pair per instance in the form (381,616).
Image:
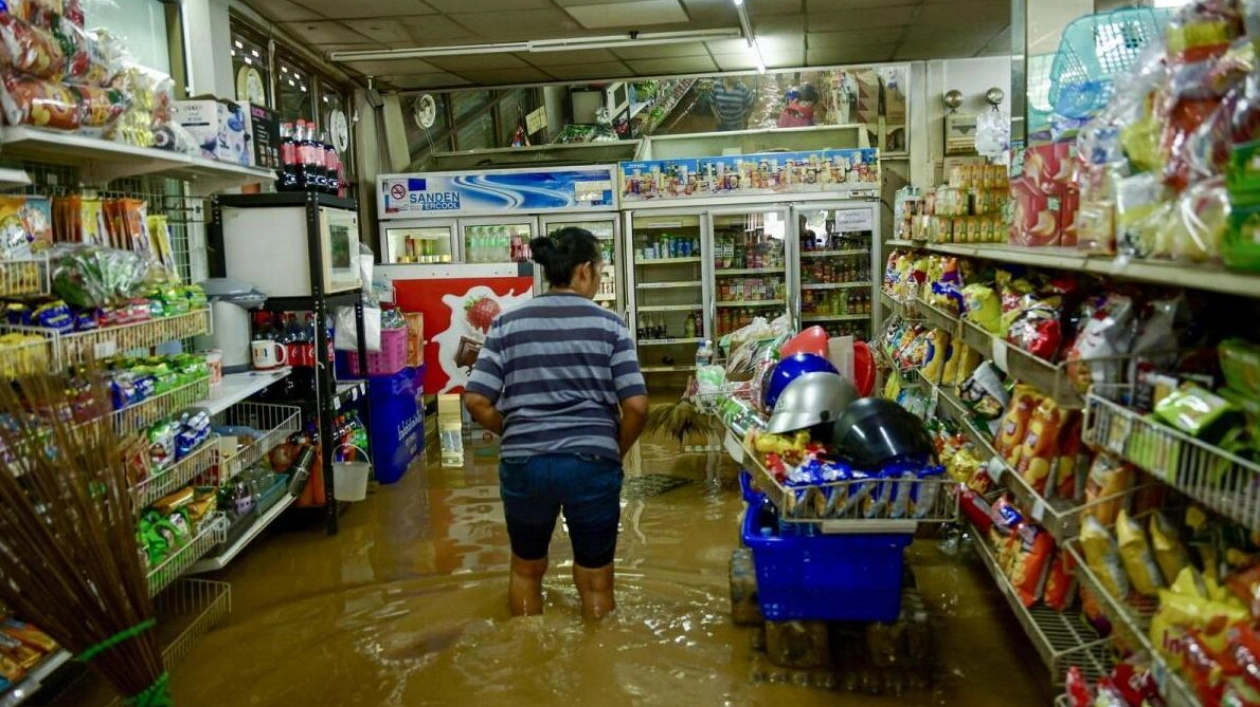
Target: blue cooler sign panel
(450,194)
(830,171)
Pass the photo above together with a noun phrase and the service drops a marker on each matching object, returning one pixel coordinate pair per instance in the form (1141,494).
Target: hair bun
(542,249)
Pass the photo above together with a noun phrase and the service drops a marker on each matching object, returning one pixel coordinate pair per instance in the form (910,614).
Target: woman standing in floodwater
(558,378)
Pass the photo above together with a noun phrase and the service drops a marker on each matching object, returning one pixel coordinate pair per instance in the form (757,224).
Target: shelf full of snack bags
(77,97)
(1166,422)
(28,656)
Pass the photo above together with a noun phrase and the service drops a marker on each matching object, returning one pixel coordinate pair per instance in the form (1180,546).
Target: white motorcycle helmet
(812,399)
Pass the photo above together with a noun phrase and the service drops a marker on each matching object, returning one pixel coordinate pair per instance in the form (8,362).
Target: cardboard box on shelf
(1044,195)
(262,132)
(218,126)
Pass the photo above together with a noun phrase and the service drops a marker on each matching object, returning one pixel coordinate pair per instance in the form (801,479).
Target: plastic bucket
(350,478)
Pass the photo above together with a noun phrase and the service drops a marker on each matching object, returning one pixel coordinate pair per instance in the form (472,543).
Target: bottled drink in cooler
(332,178)
(290,167)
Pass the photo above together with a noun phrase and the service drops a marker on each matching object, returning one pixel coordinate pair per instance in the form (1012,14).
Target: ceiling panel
(340,9)
(886,17)
(325,32)
(580,56)
(854,38)
(779,24)
(823,7)
(759,8)
(629,14)
(350,47)
(768,44)
(850,55)
(400,66)
(577,72)
(380,29)
(477,62)
(708,14)
(999,43)
(579,3)
(677,65)
(453,6)
(518,24)
(971,14)
(429,29)
(283,10)
(661,51)
(506,76)
(421,81)
(928,43)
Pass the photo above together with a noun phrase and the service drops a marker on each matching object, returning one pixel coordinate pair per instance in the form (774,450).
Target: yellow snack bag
(983,307)
(934,357)
(1103,557)
(1136,555)
(1170,553)
(950,372)
(968,361)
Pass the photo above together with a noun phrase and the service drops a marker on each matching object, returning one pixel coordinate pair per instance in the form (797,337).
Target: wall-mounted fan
(424,111)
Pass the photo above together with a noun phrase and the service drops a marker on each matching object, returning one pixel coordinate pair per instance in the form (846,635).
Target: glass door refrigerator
(608,230)
(497,240)
(837,248)
(750,250)
(422,241)
(667,265)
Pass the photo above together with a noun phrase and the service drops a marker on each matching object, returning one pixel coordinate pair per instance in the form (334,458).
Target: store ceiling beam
(618,41)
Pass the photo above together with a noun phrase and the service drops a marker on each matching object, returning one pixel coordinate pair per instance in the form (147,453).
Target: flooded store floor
(407,607)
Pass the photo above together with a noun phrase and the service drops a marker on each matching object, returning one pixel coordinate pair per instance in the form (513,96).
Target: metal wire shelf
(32,356)
(24,276)
(109,341)
(1222,481)
(276,422)
(212,532)
(1062,639)
(203,603)
(1131,621)
(178,475)
(141,415)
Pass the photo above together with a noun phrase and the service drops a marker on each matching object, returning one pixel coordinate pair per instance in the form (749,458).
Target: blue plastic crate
(824,577)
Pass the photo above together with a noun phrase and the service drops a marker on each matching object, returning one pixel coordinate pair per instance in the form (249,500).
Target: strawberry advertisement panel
(458,312)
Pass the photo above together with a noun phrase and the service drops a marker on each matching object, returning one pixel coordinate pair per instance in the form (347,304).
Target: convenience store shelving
(835,285)
(670,342)
(212,532)
(31,683)
(730,272)
(1209,278)
(218,562)
(834,253)
(753,303)
(811,317)
(670,285)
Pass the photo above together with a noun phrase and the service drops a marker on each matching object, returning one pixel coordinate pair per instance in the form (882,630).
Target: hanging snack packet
(982,307)
(1103,557)
(1014,423)
(1135,553)
(1060,582)
(1108,477)
(1170,552)
(1041,445)
(1031,562)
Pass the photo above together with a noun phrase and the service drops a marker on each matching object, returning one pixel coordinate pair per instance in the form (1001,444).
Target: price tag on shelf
(999,354)
(105,349)
(1039,510)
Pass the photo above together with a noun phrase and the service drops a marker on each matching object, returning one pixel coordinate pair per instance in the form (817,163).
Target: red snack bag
(1070,451)
(977,510)
(1060,582)
(1108,695)
(1244,649)
(1207,670)
(1037,329)
(27,49)
(44,104)
(1136,685)
(1029,562)
(1077,689)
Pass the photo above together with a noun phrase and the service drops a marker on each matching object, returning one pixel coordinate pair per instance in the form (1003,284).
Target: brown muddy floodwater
(407,607)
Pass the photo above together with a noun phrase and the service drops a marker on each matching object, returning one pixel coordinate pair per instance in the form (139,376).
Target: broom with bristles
(69,556)
(680,420)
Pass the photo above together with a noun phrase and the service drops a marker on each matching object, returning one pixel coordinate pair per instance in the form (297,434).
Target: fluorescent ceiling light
(617,41)
(756,52)
(745,25)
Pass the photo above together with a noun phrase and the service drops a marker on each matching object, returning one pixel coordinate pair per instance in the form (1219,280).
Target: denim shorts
(588,489)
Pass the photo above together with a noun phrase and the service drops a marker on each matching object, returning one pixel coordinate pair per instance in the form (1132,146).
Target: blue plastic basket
(824,577)
(1095,49)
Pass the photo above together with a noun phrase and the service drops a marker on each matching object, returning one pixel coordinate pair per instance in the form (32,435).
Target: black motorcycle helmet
(874,432)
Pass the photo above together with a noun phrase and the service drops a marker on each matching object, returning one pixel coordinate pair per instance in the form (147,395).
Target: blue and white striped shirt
(557,367)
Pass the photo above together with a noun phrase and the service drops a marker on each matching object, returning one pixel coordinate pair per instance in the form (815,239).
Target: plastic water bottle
(704,354)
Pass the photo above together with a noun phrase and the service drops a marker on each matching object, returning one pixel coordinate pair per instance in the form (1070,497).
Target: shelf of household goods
(1216,478)
(667,261)
(1197,277)
(212,532)
(833,253)
(673,285)
(670,342)
(102,161)
(727,272)
(1062,638)
(835,285)
(669,308)
(754,303)
(808,317)
(218,562)
(1132,624)
(236,387)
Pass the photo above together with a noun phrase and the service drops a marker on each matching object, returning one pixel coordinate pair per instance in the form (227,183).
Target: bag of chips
(1060,582)
(1040,447)
(27,49)
(1102,554)
(1108,477)
(1170,553)
(1136,555)
(1014,423)
(1030,561)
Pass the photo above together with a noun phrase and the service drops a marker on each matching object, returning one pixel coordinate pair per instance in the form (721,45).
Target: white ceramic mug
(268,354)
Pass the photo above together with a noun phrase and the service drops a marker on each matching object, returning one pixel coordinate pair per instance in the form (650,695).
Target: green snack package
(1198,412)
(1240,362)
